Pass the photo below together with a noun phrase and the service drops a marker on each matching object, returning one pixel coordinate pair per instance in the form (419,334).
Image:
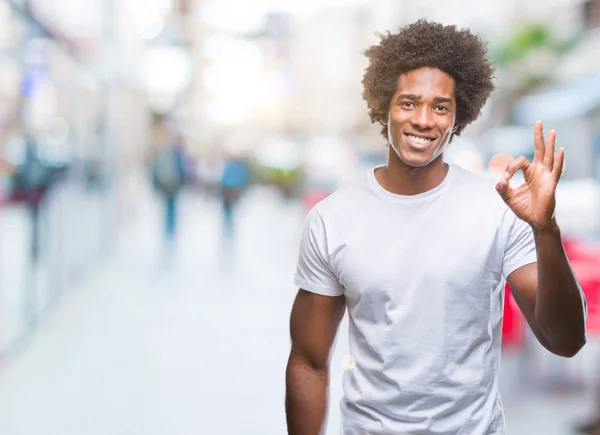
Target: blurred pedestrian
(234,180)
(418,251)
(32,180)
(168,177)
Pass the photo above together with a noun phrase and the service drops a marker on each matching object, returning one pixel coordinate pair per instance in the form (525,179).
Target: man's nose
(423,118)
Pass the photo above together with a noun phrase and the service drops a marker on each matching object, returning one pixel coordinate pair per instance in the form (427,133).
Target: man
(32,180)
(419,251)
(168,178)
(234,180)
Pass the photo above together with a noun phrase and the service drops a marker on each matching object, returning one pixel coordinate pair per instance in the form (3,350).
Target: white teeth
(421,140)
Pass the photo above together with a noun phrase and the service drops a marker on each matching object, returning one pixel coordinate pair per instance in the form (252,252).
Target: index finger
(538,142)
(520,163)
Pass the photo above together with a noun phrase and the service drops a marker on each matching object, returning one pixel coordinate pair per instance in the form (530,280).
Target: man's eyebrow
(442,100)
(409,97)
(415,97)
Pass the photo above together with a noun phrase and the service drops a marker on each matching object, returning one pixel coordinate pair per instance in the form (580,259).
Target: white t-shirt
(423,277)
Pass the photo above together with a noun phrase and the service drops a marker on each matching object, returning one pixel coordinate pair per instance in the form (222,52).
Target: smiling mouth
(418,140)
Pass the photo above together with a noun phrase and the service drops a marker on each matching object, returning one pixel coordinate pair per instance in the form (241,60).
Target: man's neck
(401,179)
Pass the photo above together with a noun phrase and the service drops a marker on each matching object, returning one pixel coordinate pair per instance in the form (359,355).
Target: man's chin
(418,161)
(416,164)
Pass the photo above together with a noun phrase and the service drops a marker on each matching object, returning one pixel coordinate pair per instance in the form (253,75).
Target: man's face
(421,116)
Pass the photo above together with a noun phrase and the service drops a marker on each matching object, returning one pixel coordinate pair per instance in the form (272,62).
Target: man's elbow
(565,338)
(302,363)
(568,349)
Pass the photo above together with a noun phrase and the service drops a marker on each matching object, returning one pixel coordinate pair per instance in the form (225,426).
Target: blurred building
(327,65)
(82,82)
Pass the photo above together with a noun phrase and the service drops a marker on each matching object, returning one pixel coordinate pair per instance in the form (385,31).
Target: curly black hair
(458,52)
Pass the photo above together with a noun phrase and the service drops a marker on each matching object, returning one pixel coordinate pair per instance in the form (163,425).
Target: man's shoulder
(478,193)
(477,179)
(345,196)
(476,183)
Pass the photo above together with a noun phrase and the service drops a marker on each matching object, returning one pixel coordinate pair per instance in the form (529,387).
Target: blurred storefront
(71,98)
(570,103)
(572,108)
(47,223)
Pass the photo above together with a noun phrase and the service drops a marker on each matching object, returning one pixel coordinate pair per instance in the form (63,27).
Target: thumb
(504,190)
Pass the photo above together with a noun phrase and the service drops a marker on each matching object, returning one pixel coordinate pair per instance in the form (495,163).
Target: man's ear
(384,118)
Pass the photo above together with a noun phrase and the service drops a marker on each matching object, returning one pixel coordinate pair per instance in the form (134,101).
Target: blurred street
(157,159)
(143,347)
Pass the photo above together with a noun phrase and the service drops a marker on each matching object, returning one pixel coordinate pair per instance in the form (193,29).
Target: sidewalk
(199,347)
(72,228)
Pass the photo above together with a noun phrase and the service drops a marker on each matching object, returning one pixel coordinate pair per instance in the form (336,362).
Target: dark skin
(313,327)
(420,122)
(423,106)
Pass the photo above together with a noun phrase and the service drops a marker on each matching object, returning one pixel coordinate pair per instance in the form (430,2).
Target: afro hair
(457,52)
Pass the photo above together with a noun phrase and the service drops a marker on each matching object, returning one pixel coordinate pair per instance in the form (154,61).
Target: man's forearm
(305,399)
(560,304)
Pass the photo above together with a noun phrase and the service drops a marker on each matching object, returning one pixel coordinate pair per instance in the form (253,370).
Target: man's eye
(407,104)
(442,108)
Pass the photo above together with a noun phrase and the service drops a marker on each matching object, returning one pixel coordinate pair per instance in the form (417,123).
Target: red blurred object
(585,260)
(513,324)
(313,196)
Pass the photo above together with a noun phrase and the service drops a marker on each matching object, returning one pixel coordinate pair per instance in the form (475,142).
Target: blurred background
(158,157)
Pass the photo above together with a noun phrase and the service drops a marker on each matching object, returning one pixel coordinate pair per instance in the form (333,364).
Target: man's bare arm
(313,326)
(548,292)
(550,297)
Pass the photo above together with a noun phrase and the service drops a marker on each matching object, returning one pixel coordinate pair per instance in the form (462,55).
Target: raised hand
(534,201)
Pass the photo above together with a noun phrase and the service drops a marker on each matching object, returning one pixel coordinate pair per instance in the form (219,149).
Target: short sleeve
(313,271)
(520,247)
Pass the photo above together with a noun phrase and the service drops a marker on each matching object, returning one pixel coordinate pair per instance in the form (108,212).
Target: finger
(559,162)
(549,156)
(520,163)
(503,188)
(539,146)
